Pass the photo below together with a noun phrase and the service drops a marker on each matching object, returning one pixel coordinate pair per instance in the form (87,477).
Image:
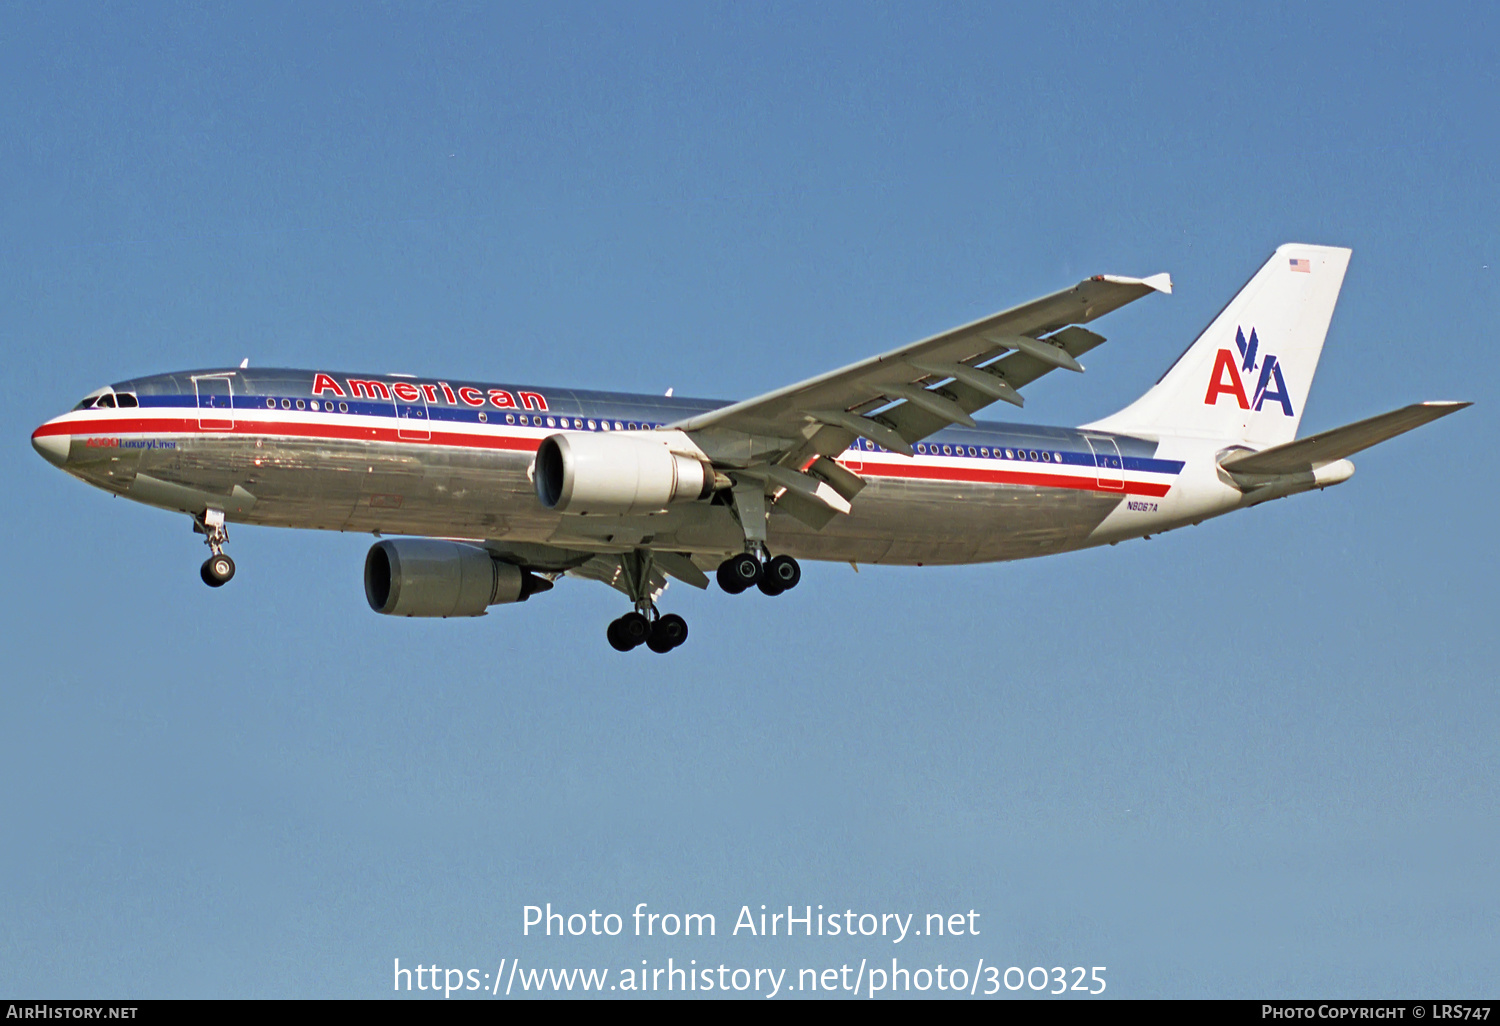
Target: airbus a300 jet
(495,491)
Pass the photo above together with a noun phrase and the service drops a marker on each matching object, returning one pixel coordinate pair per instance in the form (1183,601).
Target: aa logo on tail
(1226,378)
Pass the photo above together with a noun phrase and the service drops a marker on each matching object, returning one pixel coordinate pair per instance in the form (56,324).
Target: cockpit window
(105,399)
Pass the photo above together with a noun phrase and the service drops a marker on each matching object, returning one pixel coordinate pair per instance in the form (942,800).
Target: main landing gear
(756,567)
(645,625)
(217,568)
(747,570)
(660,635)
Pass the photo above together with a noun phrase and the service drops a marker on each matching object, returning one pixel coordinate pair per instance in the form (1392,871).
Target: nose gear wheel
(218,568)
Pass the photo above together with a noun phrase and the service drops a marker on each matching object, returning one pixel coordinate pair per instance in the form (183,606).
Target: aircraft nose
(53,448)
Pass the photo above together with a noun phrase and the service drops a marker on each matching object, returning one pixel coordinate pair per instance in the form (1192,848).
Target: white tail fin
(1246,377)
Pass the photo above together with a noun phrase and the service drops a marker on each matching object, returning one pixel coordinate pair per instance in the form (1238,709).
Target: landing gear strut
(217,568)
(645,625)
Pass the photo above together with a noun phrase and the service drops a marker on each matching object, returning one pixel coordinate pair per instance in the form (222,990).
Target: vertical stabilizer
(1246,377)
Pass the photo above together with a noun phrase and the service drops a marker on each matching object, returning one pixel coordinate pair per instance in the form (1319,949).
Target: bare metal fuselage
(269,447)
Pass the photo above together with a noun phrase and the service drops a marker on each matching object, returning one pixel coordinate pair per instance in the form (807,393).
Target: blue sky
(1253,757)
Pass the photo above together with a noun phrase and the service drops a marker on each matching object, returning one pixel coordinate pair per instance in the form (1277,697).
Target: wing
(902,396)
(1029,341)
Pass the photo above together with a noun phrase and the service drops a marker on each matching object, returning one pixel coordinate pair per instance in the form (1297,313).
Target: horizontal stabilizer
(1315,450)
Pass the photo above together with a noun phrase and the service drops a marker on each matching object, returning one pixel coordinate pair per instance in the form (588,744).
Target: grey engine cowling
(431,577)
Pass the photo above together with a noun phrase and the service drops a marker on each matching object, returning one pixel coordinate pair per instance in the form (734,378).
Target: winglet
(1160,282)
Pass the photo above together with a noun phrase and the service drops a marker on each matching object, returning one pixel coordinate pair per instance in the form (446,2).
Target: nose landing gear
(217,568)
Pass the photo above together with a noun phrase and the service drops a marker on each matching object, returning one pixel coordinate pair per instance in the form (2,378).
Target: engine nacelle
(616,474)
(429,577)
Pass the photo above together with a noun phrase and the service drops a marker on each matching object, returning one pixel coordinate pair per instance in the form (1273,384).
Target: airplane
(494,491)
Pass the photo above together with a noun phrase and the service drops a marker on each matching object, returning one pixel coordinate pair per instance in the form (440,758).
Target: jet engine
(430,577)
(616,474)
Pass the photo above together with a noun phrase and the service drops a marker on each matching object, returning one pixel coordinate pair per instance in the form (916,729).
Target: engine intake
(616,474)
(430,577)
